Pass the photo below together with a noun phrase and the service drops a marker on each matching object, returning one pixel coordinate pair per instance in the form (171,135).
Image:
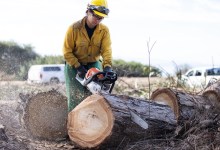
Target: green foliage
(12,56)
(49,60)
(134,69)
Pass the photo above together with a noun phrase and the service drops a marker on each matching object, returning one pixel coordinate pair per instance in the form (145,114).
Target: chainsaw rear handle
(107,76)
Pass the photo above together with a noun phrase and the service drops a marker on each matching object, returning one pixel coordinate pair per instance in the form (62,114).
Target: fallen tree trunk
(189,109)
(185,106)
(106,120)
(168,109)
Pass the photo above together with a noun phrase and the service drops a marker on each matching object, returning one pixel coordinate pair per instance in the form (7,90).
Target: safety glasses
(100,9)
(96,16)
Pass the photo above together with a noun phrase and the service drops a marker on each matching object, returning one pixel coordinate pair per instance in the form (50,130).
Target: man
(86,43)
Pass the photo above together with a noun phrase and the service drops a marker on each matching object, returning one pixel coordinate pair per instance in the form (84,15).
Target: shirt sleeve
(68,48)
(106,51)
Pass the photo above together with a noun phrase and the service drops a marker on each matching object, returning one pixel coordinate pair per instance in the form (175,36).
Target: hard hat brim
(100,14)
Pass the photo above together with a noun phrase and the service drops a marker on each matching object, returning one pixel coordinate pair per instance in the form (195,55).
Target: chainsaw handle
(108,76)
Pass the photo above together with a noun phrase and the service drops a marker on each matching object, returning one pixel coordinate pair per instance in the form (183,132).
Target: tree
(12,56)
(134,69)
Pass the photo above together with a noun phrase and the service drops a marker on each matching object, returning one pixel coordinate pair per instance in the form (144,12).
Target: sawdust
(46,115)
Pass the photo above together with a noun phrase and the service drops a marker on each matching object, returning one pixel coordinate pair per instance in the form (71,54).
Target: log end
(213,97)
(167,97)
(91,122)
(46,115)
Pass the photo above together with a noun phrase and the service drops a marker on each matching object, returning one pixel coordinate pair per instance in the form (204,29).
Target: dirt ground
(14,136)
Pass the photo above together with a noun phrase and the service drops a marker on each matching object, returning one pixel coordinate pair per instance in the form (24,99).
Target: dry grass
(6,77)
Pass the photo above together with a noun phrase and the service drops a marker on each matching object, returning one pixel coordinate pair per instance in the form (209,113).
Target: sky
(180,31)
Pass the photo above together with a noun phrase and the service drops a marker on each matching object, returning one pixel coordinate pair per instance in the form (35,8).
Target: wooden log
(212,93)
(189,109)
(90,122)
(45,115)
(106,120)
(185,105)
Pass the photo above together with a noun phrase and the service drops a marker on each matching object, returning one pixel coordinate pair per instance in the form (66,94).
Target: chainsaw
(97,81)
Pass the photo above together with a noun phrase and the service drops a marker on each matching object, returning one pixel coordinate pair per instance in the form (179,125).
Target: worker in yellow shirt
(87,44)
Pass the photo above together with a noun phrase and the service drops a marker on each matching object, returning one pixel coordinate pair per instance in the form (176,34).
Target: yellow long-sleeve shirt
(79,49)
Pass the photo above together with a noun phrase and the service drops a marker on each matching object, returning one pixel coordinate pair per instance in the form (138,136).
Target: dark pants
(76,93)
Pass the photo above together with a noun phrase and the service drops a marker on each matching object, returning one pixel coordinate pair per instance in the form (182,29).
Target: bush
(13,56)
(134,69)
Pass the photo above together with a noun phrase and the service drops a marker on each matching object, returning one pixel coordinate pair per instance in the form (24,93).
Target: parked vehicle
(49,73)
(201,77)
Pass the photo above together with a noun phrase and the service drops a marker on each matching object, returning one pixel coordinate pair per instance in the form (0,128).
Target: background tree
(134,69)
(12,56)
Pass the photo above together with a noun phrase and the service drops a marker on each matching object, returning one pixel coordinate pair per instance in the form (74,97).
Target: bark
(160,118)
(117,128)
(185,105)
(189,109)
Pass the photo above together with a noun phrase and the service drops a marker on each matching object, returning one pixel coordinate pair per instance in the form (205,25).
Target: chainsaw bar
(138,120)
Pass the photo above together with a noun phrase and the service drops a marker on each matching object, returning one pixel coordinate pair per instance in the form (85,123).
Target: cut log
(90,122)
(106,120)
(46,115)
(213,94)
(189,109)
(185,106)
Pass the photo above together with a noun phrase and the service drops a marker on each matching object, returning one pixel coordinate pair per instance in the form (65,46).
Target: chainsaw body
(97,81)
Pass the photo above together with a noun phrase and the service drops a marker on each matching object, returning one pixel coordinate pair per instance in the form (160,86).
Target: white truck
(201,77)
(48,73)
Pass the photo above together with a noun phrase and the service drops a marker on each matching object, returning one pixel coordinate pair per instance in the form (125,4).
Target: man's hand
(81,71)
(107,69)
